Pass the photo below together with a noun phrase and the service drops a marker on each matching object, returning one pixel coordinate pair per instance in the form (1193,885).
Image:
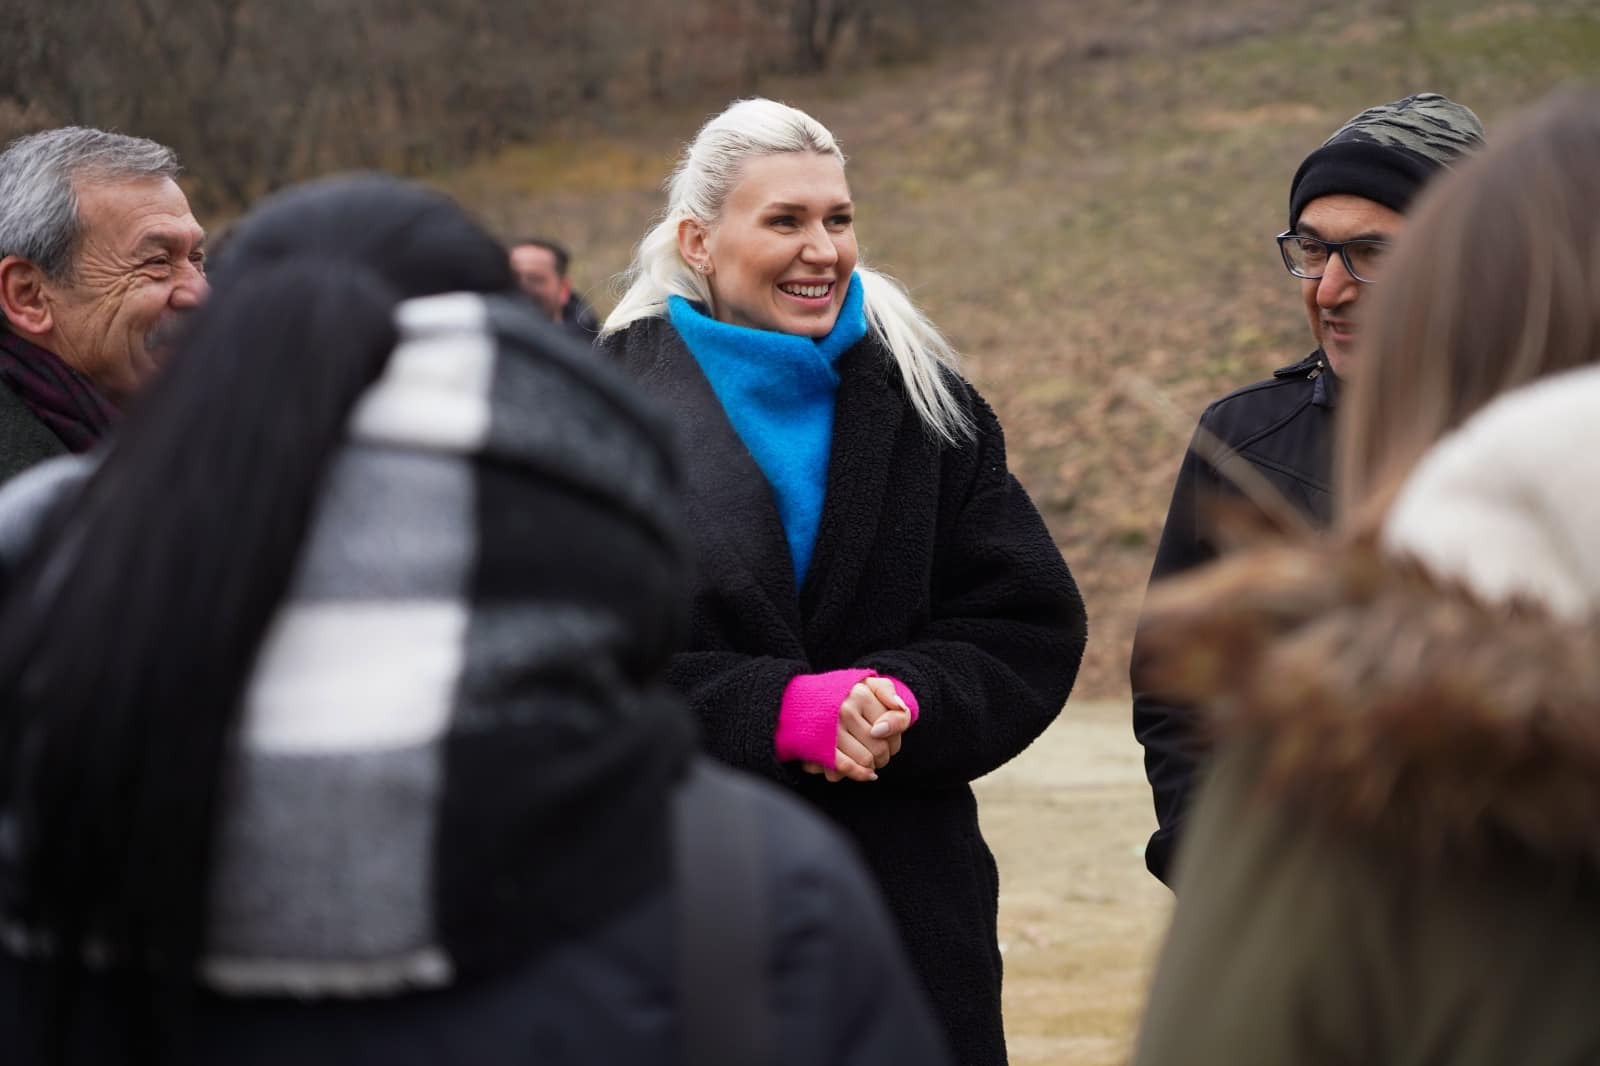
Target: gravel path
(1080,918)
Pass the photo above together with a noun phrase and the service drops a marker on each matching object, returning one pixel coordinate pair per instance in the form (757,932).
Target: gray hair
(711,167)
(39,177)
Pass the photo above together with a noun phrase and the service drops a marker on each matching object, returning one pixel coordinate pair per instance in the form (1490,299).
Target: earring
(704,268)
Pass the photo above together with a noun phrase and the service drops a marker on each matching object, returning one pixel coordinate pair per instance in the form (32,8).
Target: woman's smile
(811,293)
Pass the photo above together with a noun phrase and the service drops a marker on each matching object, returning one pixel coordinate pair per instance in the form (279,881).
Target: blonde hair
(711,167)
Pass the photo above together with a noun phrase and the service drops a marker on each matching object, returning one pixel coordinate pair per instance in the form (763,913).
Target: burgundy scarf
(59,396)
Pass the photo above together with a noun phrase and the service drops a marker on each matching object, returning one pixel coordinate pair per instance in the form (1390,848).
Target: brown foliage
(255,94)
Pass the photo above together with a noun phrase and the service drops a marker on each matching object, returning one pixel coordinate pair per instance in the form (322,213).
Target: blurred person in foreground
(541,267)
(1347,205)
(100,258)
(1396,856)
(879,613)
(356,749)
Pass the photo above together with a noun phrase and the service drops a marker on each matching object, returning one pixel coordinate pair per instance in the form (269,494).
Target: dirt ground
(1080,918)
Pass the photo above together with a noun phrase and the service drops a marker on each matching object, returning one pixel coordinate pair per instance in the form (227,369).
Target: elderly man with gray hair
(100,257)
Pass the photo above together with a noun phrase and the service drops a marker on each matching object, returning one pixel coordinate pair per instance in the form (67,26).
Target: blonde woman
(879,614)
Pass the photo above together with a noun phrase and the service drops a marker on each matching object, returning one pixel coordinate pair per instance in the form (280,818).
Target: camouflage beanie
(1387,153)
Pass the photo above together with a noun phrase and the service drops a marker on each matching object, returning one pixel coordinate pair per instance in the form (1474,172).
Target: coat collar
(1325,383)
(727,500)
(867,426)
(728,503)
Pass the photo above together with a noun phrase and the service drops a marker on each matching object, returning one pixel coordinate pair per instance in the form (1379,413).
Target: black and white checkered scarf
(454,751)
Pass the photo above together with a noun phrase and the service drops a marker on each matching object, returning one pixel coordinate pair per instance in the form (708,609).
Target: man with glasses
(1346,206)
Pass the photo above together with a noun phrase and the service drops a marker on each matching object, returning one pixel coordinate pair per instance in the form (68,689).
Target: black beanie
(1386,153)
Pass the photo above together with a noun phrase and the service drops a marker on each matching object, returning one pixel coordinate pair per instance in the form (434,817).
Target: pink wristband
(808,718)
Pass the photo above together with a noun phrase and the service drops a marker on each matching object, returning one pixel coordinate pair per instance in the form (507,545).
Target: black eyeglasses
(1307,257)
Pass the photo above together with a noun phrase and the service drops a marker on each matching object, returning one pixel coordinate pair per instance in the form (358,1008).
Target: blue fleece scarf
(778,391)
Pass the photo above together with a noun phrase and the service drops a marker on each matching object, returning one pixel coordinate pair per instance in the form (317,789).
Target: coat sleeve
(994,663)
(1166,729)
(736,699)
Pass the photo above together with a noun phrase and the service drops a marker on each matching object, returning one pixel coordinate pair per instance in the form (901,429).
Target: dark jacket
(24,440)
(840,988)
(1283,427)
(1394,859)
(931,565)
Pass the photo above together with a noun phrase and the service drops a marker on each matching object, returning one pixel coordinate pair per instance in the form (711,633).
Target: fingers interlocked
(872,719)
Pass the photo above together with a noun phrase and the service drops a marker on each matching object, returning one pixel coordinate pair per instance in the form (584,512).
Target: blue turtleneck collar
(778,391)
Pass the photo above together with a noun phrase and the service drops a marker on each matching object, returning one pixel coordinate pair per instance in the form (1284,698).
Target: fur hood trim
(1389,702)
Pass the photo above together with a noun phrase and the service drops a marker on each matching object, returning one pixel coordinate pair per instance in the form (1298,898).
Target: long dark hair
(131,631)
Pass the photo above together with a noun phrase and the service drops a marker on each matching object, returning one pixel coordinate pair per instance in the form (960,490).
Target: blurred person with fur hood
(1396,855)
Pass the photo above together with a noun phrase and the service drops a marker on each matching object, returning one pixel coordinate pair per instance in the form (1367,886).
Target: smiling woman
(781,255)
(879,615)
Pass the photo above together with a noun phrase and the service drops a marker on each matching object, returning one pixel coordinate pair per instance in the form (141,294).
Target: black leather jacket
(1283,427)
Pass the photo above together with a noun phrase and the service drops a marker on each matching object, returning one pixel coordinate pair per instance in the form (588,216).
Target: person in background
(879,614)
(1393,859)
(100,258)
(356,748)
(1347,204)
(541,268)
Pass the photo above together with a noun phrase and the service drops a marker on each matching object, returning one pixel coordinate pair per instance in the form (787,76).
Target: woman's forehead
(797,178)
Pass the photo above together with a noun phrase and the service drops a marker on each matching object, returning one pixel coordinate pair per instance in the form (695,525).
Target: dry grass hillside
(1085,202)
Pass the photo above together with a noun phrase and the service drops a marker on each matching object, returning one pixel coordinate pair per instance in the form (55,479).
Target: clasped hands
(872,720)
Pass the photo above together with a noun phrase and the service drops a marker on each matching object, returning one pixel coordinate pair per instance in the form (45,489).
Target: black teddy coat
(932,566)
